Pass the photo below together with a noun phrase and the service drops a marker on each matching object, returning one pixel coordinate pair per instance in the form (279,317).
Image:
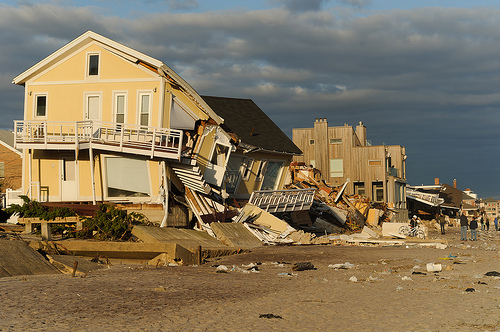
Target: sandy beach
(393,292)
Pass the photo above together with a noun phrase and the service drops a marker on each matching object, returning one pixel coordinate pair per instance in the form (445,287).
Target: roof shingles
(244,118)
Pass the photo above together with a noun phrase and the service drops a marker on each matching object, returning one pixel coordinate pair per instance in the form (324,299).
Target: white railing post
(45,133)
(153,143)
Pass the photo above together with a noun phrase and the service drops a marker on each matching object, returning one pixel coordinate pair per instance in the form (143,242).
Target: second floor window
(144,107)
(40,106)
(120,108)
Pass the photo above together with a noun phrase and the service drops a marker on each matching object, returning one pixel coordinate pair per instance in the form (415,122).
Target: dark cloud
(425,78)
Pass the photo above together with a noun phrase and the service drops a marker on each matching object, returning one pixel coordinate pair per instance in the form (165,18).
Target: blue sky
(421,74)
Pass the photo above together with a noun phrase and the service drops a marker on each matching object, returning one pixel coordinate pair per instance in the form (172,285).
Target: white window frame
(130,198)
(35,103)
(261,170)
(116,94)
(87,65)
(245,176)
(311,141)
(278,177)
(139,106)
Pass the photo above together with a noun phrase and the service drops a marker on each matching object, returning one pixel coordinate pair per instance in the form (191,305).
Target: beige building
(343,154)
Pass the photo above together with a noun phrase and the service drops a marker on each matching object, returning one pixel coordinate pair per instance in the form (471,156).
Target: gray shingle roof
(7,137)
(245,119)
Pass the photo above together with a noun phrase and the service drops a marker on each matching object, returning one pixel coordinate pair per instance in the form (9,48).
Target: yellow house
(104,122)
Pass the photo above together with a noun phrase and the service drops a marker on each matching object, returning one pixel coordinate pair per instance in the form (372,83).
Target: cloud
(356,3)
(423,78)
(300,6)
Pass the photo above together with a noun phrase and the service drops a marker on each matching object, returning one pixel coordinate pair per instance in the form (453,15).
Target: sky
(422,74)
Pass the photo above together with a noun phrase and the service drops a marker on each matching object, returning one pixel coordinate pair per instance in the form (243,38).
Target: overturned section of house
(106,123)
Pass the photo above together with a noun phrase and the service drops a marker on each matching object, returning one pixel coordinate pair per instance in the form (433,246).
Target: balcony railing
(283,200)
(126,138)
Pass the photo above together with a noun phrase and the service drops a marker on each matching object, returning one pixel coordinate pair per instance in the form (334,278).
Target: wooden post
(199,252)
(165,190)
(91,155)
(46,229)
(74,269)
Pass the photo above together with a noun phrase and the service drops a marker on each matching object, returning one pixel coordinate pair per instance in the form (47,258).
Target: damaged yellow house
(104,122)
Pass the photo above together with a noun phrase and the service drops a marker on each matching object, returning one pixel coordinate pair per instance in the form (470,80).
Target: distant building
(342,153)
(491,208)
(10,162)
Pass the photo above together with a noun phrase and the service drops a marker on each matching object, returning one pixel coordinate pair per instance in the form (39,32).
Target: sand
(386,296)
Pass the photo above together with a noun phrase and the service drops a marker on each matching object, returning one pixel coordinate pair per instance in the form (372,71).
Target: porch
(126,138)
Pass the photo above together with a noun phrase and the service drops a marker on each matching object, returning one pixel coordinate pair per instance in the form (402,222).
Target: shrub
(110,223)
(34,209)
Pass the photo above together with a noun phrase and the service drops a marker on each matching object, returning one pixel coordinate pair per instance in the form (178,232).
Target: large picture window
(127,177)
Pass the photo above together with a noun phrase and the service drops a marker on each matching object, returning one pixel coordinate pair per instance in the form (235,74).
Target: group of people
(473,226)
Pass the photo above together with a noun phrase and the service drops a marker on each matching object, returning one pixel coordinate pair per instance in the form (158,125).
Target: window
(93,65)
(127,177)
(2,170)
(247,169)
(335,140)
(359,188)
(219,155)
(374,162)
(260,170)
(336,168)
(311,142)
(144,108)
(271,176)
(378,191)
(40,106)
(120,106)
(313,163)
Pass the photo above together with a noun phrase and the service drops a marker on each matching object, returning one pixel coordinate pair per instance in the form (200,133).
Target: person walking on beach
(442,221)
(487,222)
(473,229)
(495,221)
(464,223)
(481,221)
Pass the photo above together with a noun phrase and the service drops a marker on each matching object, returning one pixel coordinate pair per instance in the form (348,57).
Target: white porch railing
(57,135)
(283,200)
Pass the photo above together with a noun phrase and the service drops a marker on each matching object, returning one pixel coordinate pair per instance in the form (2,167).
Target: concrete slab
(235,235)
(188,238)
(132,250)
(17,258)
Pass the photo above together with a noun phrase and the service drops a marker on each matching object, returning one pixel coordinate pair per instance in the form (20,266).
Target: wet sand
(386,296)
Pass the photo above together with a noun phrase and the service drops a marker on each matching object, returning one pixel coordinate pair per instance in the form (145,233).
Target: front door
(69,186)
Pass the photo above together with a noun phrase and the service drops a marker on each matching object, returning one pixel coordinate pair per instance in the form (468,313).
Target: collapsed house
(428,200)
(106,123)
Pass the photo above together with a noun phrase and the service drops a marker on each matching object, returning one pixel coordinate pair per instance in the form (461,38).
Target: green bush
(110,223)
(34,209)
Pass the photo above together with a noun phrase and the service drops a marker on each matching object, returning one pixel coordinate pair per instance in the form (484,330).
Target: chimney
(455,183)
(436,181)
(361,133)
